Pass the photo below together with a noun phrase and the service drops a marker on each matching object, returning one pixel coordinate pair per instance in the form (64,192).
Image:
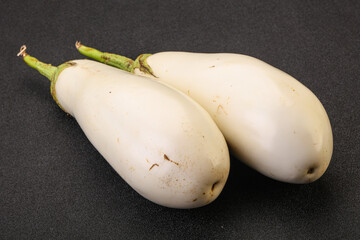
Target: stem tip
(22,51)
(77,44)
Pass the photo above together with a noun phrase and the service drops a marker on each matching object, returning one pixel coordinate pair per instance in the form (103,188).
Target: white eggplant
(271,121)
(160,141)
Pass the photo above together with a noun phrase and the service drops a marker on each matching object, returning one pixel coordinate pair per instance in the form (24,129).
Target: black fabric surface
(55,185)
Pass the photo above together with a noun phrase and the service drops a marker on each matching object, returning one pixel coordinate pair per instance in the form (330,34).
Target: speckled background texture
(55,185)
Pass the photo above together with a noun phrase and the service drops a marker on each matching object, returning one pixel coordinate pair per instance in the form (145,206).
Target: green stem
(49,71)
(114,60)
(45,69)
(117,61)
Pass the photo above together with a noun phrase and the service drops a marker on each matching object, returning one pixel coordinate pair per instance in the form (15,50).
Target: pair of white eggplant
(166,146)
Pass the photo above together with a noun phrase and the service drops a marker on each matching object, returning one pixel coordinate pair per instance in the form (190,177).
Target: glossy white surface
(161,142)
(270,120)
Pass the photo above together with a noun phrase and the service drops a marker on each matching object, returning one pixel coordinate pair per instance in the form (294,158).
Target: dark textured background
(55,185)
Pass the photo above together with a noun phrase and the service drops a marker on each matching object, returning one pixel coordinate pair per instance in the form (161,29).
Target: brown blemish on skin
(155,164)
(212,66)
(110,92)
(147,160)
(311,170)
(214,185)
(168,159)
(222,108)
(117,140)
(166,181)
(194,200)
(188,92)
(203,193)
